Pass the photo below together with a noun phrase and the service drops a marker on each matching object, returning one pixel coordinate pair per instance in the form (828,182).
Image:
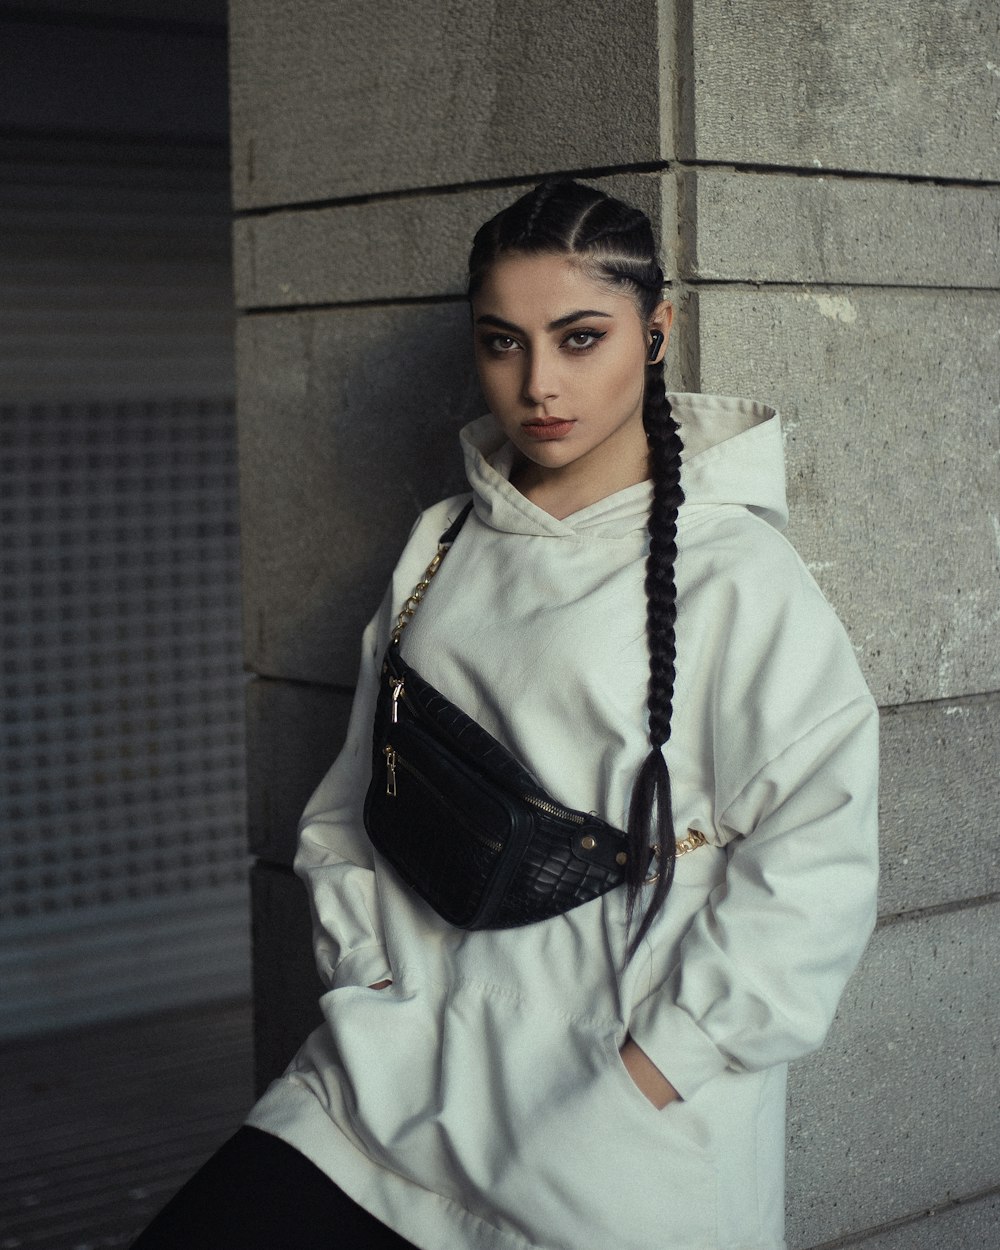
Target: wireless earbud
(654,346)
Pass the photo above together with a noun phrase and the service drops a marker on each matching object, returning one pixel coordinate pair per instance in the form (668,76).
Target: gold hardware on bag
(694,839)
(621,859)
(397,689)
(588,843)
(390,772)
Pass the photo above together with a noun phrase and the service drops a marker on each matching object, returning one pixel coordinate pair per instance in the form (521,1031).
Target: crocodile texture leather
(458,816)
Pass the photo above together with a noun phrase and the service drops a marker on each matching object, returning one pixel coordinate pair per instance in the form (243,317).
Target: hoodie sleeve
(334,856)
(761,969)
(756,979)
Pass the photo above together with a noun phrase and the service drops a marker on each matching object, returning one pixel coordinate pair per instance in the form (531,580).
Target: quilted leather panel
(459,828)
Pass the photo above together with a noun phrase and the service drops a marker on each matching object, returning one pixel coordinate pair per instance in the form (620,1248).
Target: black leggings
(257,1193)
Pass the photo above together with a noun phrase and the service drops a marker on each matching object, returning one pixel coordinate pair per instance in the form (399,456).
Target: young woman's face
(562,359)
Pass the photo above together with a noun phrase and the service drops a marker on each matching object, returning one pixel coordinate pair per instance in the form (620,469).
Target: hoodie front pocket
(567,1152)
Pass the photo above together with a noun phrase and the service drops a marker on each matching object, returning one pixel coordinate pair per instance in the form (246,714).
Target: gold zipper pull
(390,772)
(397,689)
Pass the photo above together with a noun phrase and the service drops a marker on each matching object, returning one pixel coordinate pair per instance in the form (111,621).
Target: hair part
(615,244)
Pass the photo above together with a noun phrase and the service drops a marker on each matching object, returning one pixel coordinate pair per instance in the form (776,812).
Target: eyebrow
(560,323)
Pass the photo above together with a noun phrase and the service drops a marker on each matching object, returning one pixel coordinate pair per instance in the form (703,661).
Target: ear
(660,321)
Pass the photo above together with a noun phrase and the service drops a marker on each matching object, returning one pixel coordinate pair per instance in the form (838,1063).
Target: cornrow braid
(540,197)
(564,217)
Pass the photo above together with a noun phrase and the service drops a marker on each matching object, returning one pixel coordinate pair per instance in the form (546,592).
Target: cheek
(499,382)
(620,387)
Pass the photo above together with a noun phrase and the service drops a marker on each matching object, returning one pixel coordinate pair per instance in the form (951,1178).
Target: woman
(621,612)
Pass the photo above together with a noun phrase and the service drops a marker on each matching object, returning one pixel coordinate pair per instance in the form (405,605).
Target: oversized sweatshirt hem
(429,1220)
(289,1111)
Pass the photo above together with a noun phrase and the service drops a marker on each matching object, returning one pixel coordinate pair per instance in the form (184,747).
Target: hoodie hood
(733,454)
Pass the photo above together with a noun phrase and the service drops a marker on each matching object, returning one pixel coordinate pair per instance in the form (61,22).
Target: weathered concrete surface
(940,807)
(969,1226)
(915,1040)
(337,100)
(396,248)
(890,405)
(759,227)
(348,423)
(294,732)
(286,985)
(911,87)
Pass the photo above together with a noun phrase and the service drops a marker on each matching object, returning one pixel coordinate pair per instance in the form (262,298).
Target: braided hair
(615,242)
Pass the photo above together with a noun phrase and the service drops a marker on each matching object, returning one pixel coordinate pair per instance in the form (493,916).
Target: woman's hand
(379,985)
(648,1078)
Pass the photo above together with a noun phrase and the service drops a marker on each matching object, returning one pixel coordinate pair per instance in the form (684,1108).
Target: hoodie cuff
(363,966)
(685,1055)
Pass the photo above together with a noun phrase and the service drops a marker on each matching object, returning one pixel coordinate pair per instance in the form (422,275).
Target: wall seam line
(608,171)
(938,909)
(242,213)
(949,1204)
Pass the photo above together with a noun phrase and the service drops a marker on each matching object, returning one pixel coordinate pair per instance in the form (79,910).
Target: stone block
(966,1226)
(939,810)
(916,1038)
(398,248)
(889,401)
(330,99)
(759,227)
(911,87)
(347,424)
(294,732)
(286,985)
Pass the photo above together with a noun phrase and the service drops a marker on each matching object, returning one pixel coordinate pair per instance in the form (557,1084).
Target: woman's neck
(572,487)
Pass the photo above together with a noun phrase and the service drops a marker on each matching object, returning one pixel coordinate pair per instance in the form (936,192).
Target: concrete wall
(824,180)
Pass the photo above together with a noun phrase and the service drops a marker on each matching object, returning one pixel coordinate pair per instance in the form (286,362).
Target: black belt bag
(461,819)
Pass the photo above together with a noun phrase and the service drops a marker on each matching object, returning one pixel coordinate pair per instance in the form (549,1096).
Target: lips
(547,427)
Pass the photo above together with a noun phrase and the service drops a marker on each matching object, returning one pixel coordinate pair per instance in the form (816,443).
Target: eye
(500,344)
(583,340)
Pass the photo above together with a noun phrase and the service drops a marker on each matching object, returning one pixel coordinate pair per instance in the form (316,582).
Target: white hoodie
(480,1101)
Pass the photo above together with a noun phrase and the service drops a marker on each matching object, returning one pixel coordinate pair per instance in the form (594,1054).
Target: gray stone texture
(911,87)
(765,227)
(348,424)
(391,249)
(294,732)
(966,1226)
(286,985)
(340,99)
(890,407)
(940,808)
(900,1109)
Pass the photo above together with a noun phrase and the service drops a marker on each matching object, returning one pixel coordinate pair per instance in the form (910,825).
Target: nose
(540,382)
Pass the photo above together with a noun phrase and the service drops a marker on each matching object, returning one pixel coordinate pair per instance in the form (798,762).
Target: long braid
(565,217)
(650,808)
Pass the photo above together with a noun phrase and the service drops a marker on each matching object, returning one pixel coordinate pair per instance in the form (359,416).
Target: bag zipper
(390,772)
(394,760)
(396,684)
(552,810)
(397,693)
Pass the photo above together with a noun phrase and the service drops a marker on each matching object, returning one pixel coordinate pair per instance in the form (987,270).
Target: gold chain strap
(411,605)
(694,839)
